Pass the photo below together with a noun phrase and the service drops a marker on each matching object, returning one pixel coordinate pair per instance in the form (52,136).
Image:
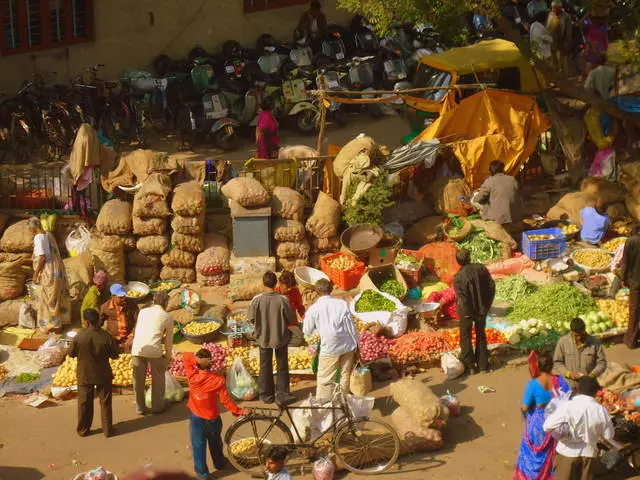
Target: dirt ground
(482,444)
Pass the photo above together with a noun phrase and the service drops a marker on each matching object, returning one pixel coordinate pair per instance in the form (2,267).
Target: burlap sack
(174,300)
(445,193)
(137,273)
(139,259)
(215,280)
(149,226)
(314,260)
(287,203)
(4,220)
(24,259)
(617,211)
(291,263)
(18,238)
(79,270)
(107,243)
(153,244)
(115,218)
(245,287)
(12,280)
(178,258)
(156,185)
(331,244)
(151,206)
(415,438)
(129,242)
(188,225)
(325,219)
(288,230)
(185,275)
(190,243)
(633,206)
(496,232)
(182,316)
(357,146)
(602,190)
(630,175)
(215,258)
(569,207)
(188,199)
(248,192)
(10,313)
(111,261)
(409,212)
(299,249)
(425,231)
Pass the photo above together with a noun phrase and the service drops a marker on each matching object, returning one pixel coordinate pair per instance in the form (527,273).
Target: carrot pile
(418,347)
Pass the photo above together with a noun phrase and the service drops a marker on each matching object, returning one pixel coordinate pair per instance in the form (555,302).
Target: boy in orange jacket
(205,387)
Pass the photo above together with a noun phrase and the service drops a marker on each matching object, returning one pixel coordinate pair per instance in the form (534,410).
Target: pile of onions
(176,367)
(218,354)
(372,347)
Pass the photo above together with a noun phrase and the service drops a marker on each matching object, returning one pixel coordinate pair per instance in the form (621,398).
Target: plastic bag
(27,316)
(301,418)
(173,391)
(240,383)
(558,399)
(451,366)
(361,382)
(77,241)
(452,402)
(323,469)
(190,301)
(51,353)
(360,406)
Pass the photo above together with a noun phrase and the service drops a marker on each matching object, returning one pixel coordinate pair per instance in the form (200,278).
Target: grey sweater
(271,315)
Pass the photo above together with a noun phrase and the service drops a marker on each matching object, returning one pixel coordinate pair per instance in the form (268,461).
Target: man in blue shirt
(595,223)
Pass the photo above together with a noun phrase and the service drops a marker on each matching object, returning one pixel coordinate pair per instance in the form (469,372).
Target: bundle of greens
(372,301)
(406,261)
(370,206)
(482,248)
(393,288)
(513,288)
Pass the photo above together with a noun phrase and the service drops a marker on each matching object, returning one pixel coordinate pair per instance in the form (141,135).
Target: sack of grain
(79,270)
(182,316)
(245,287)
(288,230)
(331,244)
(107,243)
(153,244)
(175,300)
(10,313)
(188,199)
(215,258)
(149,226)
(414,437)
(156,185)
(324,222)
(408,213)
(445,193)
(569,207)
(24,259)
(139,259)
(18,238)
(178,258)
(129,242)
(150,206)
(188,225)
(359,145)
(602,190)
(617,211)
(190,243)
(115,218)
(420,402)
(630,175)
(246,191)
(299,249)
(425,231)
(136,273)
(287,203)
(111,260)
(4,220)
(12,280)
(290,263)
(215,280)
(633,206)
(185,275)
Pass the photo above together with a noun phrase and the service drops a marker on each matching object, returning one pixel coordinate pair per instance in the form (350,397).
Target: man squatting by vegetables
(498,198)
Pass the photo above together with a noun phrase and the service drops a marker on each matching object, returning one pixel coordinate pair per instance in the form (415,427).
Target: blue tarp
(11,386)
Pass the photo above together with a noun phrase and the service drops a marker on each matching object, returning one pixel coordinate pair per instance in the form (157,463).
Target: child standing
(288,287)
(276,458)
(205,387)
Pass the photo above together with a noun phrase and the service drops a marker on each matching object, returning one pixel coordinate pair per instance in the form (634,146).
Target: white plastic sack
(558,399)
(451,366)
(51,353)
(173,391)
(27,317)
(240,383)
(302,420)
(77,241)
(396,320)
(323,469)
(360,406)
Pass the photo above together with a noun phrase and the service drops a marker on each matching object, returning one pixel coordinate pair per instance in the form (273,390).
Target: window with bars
(31,25)
(260,5)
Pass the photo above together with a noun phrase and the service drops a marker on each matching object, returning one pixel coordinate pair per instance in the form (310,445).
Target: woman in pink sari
(267,132)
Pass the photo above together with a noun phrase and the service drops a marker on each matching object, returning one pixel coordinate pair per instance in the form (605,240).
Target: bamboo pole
(402,92)
(323,117)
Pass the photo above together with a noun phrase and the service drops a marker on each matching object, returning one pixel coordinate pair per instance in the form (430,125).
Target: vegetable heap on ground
(393,288)
(618,310)
(372,301)
(532,334)
(482,248)
(418,347)
(513,288)
(406,261)
(373,347)
(493,337)
(369,207)
(556,304)
(597,322)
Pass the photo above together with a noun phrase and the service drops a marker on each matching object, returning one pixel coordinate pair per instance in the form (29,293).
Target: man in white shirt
(338,338)
(583,422)
(153,324)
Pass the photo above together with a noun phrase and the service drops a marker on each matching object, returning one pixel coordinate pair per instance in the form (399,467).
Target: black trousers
(480,357)
(85,408)
(266,372)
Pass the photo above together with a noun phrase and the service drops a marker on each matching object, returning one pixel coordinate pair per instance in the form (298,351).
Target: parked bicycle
(363,445)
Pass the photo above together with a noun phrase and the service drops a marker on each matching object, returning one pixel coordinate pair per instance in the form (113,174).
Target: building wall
(126,39)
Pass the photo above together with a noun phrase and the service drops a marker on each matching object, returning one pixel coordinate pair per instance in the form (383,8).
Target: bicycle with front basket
(362,445)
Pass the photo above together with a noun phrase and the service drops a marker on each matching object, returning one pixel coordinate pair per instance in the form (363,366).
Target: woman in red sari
(267,132)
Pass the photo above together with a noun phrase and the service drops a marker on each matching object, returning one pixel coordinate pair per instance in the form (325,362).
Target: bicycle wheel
(248,439)
(367,446)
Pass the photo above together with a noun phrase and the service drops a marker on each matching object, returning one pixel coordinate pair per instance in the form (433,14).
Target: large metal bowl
(207,337)
(140,287)
(361,238)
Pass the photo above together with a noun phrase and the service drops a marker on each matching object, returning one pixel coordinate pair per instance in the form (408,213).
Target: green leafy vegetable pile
(482,248)
(513,288)
(27,377)
(393,288)
(372,301)
(407,261)
(556,303)
(370,206)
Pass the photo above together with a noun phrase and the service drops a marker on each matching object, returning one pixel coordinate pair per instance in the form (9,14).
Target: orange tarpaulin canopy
(490,125)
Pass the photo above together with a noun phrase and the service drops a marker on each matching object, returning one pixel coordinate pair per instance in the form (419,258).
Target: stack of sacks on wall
(114,220)
(292,246)
(323,226)
(212,265)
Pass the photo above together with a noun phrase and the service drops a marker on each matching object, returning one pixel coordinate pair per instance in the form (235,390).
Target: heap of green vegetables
(513,288)
(393,288)
(369,207)
(406,261)
(372,301)
(556,303)
(482,248)
(27,377)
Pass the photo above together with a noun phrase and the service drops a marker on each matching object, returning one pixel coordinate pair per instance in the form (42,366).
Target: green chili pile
(513,288)
(393,288)
(372,301)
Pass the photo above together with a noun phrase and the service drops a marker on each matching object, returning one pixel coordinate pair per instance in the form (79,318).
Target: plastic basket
(542,249)
(343,279)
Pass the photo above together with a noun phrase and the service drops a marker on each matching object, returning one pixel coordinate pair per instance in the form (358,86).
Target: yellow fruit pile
(299,359)
(66,374)
(623,227)
(164,286)
(200,328)
(612,245)
(135,294)
(618,310)
(343,262)
(570,229)
(253,365)
(592,258)
(3,373)
(312,339)
(122,370)
(247,447)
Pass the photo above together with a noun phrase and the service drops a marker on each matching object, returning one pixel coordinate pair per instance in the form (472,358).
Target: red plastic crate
(343,279)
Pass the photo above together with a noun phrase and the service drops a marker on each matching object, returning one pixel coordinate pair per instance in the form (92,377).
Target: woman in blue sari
(538,449)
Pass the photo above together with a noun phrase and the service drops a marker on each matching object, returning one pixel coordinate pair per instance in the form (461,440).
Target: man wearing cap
(119,314)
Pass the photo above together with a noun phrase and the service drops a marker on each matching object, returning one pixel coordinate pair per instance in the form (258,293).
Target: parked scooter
(300,55)
(333,81)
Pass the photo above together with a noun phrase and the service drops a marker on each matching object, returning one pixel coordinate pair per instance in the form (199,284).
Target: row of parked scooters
(215,96)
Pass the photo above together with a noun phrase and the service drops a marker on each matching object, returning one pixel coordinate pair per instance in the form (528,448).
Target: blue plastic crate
(541,249)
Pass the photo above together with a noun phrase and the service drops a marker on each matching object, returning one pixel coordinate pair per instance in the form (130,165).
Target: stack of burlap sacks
(113,239)
(187,240)
(291,244)
(150,224)
(212,265)
(323,227)
(16,263)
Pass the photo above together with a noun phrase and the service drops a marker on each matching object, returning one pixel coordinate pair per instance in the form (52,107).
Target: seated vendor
(499,196)
(94,296)
(595,223)
(119,314)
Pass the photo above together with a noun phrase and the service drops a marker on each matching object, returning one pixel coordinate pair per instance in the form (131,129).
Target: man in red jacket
(205,387)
